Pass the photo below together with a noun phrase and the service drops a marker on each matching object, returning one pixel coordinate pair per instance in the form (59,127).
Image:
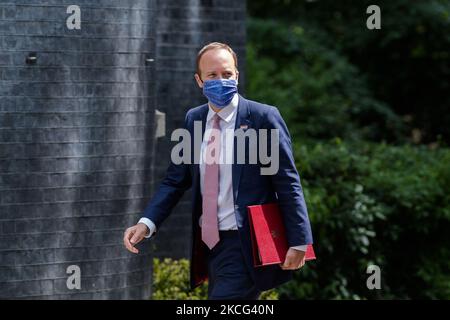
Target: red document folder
(268,235)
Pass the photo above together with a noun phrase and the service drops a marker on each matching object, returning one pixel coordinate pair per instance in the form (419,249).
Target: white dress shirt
(225,202)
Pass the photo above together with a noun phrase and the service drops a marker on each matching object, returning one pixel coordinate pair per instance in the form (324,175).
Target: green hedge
(318,91)
(324,53)
(368,204)
(375,204)
(171,282)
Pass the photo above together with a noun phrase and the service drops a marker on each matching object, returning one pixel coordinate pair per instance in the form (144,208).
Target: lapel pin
(244,126)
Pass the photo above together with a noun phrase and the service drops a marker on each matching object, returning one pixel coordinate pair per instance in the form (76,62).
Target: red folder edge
(260,216)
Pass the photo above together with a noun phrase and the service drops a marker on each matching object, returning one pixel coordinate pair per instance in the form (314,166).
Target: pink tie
(210,225)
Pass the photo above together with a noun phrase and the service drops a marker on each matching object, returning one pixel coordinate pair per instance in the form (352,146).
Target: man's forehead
(213,59)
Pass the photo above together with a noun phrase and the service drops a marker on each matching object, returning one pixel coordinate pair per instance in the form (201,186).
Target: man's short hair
(215,45)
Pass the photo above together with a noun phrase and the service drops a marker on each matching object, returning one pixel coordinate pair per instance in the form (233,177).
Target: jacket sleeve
(286,182)
(176,181)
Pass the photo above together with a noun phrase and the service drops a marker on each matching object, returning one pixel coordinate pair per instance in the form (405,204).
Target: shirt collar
(227,112)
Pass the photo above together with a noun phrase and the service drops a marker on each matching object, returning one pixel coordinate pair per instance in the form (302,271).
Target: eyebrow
(215,71)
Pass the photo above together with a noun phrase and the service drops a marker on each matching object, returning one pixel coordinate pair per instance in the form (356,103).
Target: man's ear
(199,81)
(237,76)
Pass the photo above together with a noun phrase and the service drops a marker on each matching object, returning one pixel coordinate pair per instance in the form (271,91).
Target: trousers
(228,276)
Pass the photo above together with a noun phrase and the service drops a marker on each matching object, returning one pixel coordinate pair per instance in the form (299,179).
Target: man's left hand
(295,259)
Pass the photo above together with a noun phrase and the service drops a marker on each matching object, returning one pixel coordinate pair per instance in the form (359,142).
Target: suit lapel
(242,119)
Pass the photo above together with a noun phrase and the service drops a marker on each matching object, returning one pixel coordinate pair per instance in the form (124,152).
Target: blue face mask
(220,92)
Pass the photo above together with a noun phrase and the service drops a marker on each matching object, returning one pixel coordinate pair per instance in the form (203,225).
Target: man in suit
(221,244)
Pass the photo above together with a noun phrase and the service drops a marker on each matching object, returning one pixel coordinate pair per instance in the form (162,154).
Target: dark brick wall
(183,27)
(76,146)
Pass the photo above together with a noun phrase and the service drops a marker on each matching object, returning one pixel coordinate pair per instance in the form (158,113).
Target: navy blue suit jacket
(249,188)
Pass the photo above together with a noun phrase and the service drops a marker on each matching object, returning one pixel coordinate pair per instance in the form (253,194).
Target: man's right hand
(133,235)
